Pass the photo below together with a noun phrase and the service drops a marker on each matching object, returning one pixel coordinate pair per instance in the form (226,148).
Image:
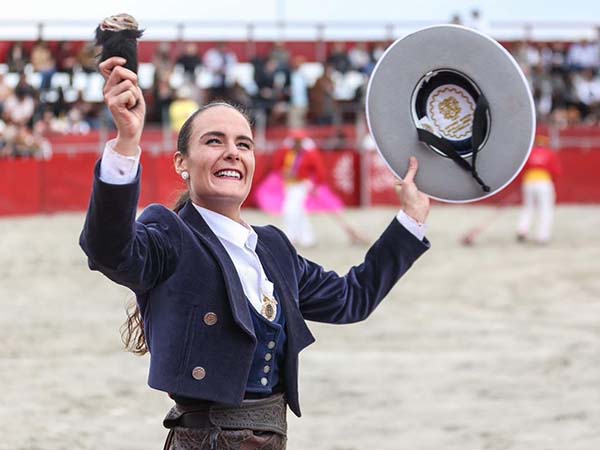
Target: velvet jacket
(180,271)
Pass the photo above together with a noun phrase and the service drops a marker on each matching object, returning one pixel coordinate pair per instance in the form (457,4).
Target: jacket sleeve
(324,296)
(135,253)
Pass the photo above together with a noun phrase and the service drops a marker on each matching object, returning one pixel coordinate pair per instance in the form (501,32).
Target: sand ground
(495,346)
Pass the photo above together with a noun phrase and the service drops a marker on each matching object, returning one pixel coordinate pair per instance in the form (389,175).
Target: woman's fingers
(117,75)
(413,166)
(107,66)
(126,99)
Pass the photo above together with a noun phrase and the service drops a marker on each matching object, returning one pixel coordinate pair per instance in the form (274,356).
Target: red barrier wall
(64,183)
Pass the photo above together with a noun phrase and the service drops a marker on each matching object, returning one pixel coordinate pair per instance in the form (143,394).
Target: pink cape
(270,193)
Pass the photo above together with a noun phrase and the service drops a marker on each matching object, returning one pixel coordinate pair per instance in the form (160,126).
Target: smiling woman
(222,306)
(215,156)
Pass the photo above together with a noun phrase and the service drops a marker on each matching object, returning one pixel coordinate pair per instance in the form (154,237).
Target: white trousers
(296,222)
(538,204)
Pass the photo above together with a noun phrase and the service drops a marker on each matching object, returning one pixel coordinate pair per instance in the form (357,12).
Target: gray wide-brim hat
(438,93)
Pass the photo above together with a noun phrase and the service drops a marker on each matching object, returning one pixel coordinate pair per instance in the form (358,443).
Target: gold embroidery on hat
(450,108)
(461,121)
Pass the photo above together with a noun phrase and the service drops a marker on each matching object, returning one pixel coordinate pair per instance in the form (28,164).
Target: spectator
(282,56)
(359,57)
(163,97)
(182,107)
(583,55)
(219,62)
(339,58)
(323,108)
(163,66)
(20,142)
(587,94)
(86,57)
(19,107)
(49,124)
(5,92)
(65,58)
(378,51)
(526,55)
(43,62)
(270,83)
(298,95)
(190,60)
(17,58)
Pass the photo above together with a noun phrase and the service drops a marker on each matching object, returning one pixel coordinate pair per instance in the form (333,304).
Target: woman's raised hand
(414,203)
(125,101)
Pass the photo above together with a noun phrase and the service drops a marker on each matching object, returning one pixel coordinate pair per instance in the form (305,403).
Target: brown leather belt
(268,414)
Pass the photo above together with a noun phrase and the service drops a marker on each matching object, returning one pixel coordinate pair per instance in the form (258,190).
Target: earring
(185,175)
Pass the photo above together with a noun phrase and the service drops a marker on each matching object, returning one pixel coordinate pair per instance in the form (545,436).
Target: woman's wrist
(127,146)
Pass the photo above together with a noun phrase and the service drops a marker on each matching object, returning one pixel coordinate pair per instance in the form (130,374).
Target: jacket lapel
(235,291)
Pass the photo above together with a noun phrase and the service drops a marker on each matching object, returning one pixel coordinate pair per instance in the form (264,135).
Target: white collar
(228,229)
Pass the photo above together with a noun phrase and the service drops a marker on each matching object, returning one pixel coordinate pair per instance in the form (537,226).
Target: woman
(223,304)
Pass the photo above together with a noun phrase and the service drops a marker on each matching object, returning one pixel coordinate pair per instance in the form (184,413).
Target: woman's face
(220,160)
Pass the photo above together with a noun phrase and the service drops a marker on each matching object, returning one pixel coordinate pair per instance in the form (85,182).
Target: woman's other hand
(414,203)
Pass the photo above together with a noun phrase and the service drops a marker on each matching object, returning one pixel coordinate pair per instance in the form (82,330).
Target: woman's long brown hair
(132,330)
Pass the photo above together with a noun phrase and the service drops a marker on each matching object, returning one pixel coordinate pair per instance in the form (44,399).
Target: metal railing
(236,30)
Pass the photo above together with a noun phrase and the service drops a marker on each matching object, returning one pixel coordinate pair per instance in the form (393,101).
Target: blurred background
(492,342)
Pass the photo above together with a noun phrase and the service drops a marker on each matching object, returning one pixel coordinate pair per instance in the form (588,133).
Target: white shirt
(239,240)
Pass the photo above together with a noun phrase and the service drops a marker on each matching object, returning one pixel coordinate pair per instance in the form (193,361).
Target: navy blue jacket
(180,271)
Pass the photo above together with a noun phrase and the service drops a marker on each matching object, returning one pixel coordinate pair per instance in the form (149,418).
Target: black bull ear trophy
(118,35)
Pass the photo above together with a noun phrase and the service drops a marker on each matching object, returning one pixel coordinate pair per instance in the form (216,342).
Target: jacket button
(210,318)
(198,373)
(271,345)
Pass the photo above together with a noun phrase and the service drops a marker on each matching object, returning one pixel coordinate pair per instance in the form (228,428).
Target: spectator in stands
(49,124)
(270,97)
(298,95)
(163,97)
(65,58)
(60,106)
(190,60)
(163,66)
(282,56)
(526,55)
(359,57)
(587,94)
(559,58)
(5,92)
(378,51)
(20,142)
(583,55)
(17,57)
(86,57)
(19,107)
(323,108)
(542,90)
(43,62)
(220,63)
(182,107)
(339,58)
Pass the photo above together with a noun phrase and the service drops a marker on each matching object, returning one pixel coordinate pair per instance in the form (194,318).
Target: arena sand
(491,347)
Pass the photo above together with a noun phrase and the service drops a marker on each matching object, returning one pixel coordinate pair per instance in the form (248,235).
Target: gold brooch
(269,308)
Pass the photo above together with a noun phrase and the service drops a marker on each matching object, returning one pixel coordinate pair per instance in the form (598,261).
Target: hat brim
(487,64)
